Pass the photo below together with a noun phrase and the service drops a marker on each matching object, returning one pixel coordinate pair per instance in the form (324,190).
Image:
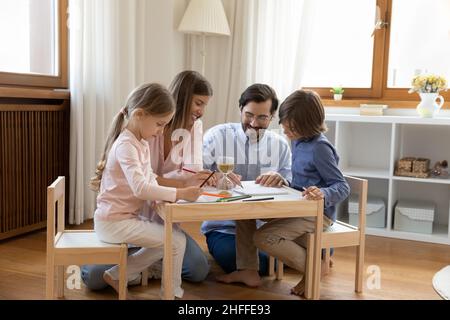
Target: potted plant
(337,92)
(428,87)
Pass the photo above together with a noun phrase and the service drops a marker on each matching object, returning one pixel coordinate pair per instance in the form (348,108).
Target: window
(419,40)
(339,49)
(33,37)
(343,47)
(413,38)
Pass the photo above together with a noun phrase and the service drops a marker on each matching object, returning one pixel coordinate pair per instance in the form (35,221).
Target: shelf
(370,146)
(366,172)
(439,235)
(423,180)
(387,119)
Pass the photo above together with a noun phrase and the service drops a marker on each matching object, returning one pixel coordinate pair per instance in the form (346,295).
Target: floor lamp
(205,18)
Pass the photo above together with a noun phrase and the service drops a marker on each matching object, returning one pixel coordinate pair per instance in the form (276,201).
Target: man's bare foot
(299,289)
(250,278)
(115,285)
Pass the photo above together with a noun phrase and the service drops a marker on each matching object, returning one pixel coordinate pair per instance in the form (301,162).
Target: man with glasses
(260,155)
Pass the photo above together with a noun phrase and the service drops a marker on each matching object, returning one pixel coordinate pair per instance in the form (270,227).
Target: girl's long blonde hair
(153,99)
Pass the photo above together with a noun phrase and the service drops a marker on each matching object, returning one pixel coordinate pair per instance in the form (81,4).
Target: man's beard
(254,133)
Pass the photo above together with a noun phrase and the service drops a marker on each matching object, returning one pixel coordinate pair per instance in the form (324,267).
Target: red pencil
(187,170)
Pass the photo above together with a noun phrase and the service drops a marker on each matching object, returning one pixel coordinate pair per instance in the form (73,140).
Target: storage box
(421,165)
(413,167)
(414,216)
(406,164)
(375,212)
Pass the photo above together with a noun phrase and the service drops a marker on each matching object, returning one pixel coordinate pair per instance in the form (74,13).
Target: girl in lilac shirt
(125,181)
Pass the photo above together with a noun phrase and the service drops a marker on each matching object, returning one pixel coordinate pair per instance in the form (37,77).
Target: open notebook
(253,189)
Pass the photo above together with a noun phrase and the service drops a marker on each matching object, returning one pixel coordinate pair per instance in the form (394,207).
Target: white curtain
(115,45)
(269,44)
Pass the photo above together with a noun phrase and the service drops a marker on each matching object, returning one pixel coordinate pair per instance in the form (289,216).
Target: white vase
(337,96)
(427,108)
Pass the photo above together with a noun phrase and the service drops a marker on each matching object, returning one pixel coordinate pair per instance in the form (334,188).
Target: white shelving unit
(369,147)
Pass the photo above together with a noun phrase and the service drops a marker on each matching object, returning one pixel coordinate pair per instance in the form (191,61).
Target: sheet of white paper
(201,199)
(253,189)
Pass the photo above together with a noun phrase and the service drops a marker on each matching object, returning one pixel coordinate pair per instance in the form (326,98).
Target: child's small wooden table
(283,206)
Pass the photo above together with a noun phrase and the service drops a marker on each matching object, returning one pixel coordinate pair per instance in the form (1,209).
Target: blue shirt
(315,163)
(252,158)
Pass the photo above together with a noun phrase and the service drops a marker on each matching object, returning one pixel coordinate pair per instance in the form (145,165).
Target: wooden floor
(407,268)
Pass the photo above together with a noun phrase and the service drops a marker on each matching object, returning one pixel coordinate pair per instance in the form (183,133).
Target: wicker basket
(405,164)
(421,165)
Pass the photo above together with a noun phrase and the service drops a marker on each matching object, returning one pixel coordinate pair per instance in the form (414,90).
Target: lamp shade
(205,17)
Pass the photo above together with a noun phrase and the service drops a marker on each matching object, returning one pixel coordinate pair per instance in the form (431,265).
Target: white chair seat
(340,227)
(82,240)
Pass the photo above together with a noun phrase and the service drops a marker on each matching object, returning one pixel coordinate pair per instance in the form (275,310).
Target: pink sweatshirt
(128,180)
(188,153)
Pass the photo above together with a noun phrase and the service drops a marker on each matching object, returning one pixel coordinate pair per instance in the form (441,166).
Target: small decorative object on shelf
(438,170)
(413,167)
(372,109)
(337,92)
(428,87)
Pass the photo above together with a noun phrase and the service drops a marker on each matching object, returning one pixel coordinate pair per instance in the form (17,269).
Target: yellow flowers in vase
(428,84)
(428,87)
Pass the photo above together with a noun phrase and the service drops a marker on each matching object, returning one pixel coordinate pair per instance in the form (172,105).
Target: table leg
(168,257)
(318,250)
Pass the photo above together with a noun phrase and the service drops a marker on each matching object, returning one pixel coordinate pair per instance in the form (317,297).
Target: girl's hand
(313,193)
(189,193)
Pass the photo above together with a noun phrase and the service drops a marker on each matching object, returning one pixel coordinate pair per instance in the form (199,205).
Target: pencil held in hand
(235,178)
(206,180)
(312,193)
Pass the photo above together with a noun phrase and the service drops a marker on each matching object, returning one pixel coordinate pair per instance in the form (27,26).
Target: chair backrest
(359,186)
(55,199)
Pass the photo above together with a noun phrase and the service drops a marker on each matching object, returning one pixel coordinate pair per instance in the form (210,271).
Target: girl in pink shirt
(125,181)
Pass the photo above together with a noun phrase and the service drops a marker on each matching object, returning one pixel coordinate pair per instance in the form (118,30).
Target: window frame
(46,81)
(379,91)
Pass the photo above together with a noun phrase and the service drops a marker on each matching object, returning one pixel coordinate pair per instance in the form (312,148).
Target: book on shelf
(372,109)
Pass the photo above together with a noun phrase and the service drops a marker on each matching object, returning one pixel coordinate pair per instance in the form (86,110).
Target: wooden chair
(340,234)
(76,247)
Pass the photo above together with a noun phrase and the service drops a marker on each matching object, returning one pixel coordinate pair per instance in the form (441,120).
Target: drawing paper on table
(253,189)
(201,199)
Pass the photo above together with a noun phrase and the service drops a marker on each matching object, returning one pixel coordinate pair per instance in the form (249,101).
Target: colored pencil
(260,199)
(206,180)
(187,170)
(215,195)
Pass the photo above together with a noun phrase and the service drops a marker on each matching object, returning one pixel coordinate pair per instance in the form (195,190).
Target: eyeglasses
(261,118)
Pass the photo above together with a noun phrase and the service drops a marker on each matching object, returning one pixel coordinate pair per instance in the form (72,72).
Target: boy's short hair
(303,112)
(259,93)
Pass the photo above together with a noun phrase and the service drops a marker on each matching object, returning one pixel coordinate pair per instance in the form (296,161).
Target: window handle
(379,23)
